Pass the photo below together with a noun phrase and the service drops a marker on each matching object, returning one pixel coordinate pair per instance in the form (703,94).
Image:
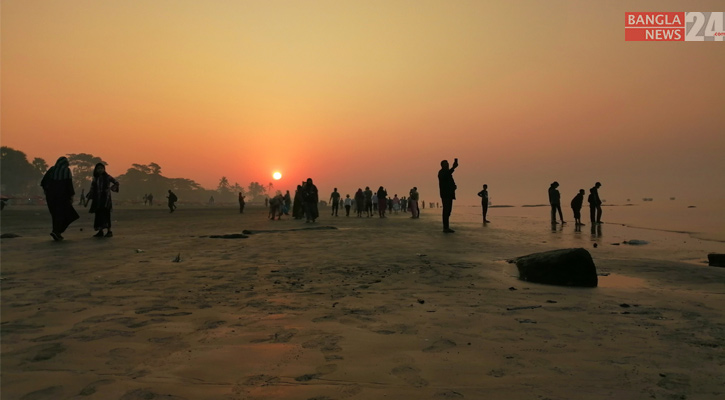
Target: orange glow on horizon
(355,94)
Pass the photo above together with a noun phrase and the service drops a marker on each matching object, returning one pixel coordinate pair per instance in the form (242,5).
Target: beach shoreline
(376,308)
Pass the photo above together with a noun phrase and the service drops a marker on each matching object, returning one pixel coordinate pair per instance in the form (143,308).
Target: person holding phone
(447,187)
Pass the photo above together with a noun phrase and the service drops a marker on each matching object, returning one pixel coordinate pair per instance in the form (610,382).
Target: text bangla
(654,19)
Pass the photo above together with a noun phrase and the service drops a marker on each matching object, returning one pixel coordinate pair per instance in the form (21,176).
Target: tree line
(20,178)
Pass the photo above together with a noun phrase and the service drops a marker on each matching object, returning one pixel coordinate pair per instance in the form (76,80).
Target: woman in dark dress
(297,209)
(310,197)
(57,184)
(100,196)
(382,202)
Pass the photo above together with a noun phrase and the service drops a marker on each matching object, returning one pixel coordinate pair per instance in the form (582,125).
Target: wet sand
(374,309)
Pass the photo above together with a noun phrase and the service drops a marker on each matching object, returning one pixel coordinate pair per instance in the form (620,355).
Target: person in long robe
(297,208)
(57,184)
(359,202)
(101,204)
(310,197)
(382,202)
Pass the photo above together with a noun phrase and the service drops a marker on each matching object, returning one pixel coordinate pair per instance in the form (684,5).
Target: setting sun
(276,175)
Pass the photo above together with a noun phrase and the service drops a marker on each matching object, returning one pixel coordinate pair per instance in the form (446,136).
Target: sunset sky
(355,93)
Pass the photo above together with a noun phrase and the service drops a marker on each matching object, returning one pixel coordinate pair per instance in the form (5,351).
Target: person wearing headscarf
(359,202)
(413,203)
(310,197)
(297,209)
(57,185)
(382,203)
(100,195)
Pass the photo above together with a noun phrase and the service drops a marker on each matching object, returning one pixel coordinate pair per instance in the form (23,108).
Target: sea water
(703,219)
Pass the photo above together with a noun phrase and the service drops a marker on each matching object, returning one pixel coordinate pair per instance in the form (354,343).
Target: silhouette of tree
(81,165)
(237,188)
(17,175)
(155,168)
(224,184)
(256,189)
(142,168)
(40,165)
(225,190)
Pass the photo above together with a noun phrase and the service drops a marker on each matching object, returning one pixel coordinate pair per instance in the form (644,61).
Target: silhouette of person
(151,199)
(595,204)
(241,203)
(211,200)
(555,201)
(395,203)
(359,202)
(145,199)
(287,203)
(266,202)
(82,201)
(413,203)
(447,187)
(275,207)
(100,195)
(172,201)
(310,199)
(382,203)
(483,194)
(348,204)
(576,207)
(335,201)
(368,201)
(57,184)
(297,207)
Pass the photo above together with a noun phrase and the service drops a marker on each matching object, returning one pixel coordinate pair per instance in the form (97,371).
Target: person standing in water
(57,184)
(555,201)
(595,204)
(576,207)
(483,194)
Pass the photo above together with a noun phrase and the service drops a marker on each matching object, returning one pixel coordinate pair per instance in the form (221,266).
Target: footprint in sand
(322,370)
(496,373)
(145,394)
(282,336)
(52,392)
(47,351)
(145,310)
(91,388)
(326,343)
(440,345)
(410,375)
(448,394)
(261,380)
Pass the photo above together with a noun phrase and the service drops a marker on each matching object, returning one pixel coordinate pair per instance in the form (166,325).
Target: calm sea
(701,219)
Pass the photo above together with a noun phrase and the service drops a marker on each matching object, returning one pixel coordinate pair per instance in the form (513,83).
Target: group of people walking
(57,185)
(368,202)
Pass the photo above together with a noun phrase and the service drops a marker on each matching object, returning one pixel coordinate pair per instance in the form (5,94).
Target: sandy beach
(372,309)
